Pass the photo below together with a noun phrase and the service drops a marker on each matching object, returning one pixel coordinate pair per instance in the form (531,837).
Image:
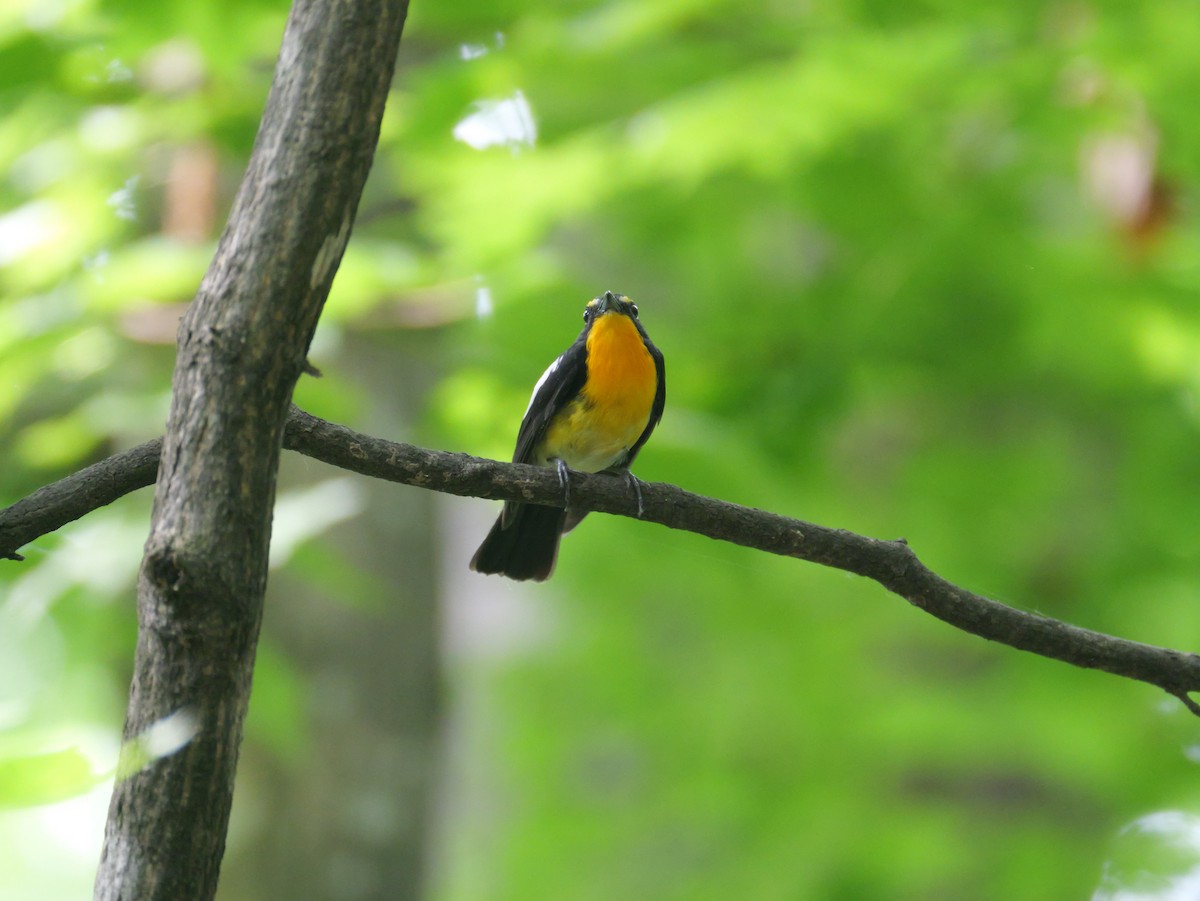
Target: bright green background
(871,242)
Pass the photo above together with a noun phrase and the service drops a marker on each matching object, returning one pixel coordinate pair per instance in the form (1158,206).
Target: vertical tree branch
(242,345)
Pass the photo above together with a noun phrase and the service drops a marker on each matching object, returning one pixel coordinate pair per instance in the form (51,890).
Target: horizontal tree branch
(892,564)
(64,501)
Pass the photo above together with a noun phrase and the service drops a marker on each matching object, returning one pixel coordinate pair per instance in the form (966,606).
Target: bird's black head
(609,302)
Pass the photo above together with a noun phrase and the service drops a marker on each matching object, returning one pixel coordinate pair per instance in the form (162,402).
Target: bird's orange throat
(621,373)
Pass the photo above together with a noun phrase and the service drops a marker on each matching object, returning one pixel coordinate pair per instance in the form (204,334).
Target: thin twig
(76,495)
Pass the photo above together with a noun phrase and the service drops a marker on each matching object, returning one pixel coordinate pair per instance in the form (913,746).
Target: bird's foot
(637,491)
(564,479)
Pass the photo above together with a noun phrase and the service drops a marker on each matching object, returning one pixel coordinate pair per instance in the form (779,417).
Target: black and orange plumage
(592,410)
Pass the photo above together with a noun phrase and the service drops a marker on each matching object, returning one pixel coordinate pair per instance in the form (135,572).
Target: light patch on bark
(330,253)
(160,739)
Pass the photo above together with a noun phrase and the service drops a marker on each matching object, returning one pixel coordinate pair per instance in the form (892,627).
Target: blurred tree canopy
(918,269)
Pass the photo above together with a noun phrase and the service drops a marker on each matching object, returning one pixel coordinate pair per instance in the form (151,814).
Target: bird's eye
(633,306)
(587,314)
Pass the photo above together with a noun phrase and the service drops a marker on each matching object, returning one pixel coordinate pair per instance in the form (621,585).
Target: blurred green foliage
(919,269)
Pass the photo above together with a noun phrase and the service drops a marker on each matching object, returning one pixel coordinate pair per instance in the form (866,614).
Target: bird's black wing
(562,380)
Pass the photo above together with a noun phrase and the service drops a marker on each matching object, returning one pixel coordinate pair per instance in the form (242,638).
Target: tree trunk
(242,345)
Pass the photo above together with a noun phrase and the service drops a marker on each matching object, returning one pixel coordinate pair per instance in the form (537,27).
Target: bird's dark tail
(524,547)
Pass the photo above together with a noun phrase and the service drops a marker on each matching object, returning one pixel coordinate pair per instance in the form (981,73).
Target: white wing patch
(538,387)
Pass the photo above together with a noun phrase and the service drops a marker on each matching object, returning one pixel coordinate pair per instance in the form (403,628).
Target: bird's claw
(637,491)
(564,479)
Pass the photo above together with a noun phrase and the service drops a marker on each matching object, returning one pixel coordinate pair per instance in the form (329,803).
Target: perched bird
(591,411)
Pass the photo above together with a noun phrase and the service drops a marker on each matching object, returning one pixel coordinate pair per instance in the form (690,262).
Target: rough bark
(892,564)
(242,345)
